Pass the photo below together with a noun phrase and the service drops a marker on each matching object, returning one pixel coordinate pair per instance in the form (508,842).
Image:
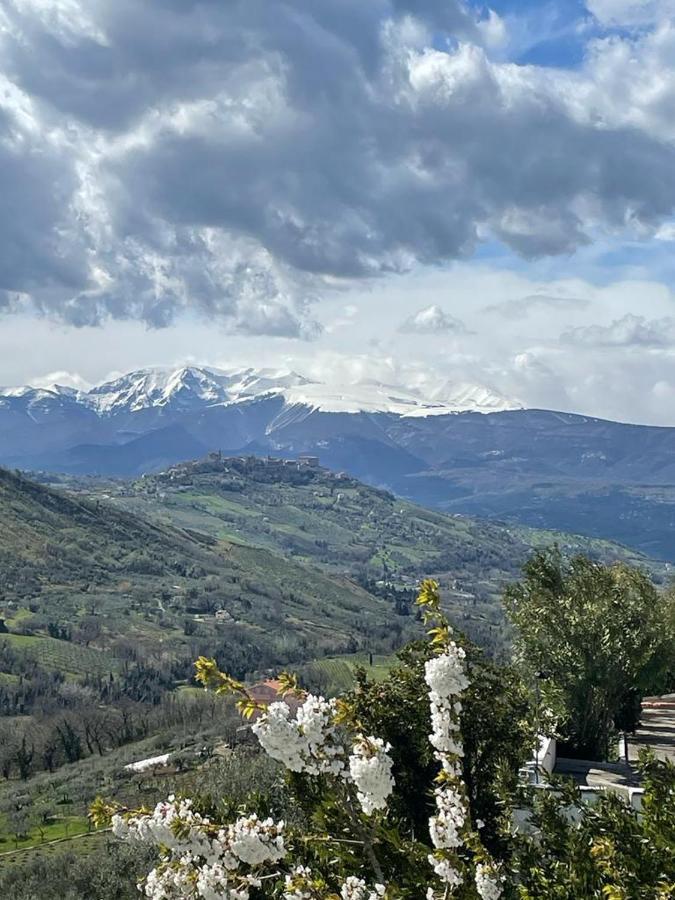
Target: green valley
(332,521)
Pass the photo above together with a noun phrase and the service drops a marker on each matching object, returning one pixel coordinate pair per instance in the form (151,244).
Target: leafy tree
(597,637)
(497,733)
(70,741)
(24,758)
(607,850)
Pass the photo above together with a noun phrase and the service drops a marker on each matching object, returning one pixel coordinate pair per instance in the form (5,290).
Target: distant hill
(144,590)
(465,449)
(328,520)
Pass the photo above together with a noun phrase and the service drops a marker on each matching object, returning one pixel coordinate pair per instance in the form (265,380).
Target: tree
(18,815)
(24,758)
(607,850)
(594,635)
(43,813)
(354,841)
(497,733)
(70,741)
(9,743)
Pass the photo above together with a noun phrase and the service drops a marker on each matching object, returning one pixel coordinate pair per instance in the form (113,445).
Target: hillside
(140,589)
(465,450)
(349,529)
(109,591)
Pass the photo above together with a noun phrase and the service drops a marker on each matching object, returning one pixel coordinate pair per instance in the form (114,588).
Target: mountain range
(464,448)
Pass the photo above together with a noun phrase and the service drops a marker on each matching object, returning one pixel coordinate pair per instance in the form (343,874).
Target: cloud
(628,331)
(630,12)
(522,359)
(523,306)
(201,157)
(63,379)
(432,320)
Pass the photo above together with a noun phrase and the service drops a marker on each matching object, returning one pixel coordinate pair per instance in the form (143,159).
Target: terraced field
(63,656)
(335,674)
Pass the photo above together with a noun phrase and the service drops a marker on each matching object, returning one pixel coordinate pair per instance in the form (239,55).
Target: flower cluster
(201,860)
(300,884)
(446,674)
(370,770)
(446,826)
(357,889)
(311,743)
(307,743)
(172,824)
(447,679)
(488,882)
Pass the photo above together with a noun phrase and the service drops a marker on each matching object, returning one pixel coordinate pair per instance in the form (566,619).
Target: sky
(419,192)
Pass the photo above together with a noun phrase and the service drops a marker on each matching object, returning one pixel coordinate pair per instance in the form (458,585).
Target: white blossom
(447,679)
(488,883)
(169,883)
(370,770)
(172,824)
(357,889)
(444,735)
(307,743)
(255,842)
(446,825)
(279,736)
(213,883)
(446,872)
(445,674)
(200,862)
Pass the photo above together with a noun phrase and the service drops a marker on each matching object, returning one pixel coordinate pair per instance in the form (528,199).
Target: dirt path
(63,840)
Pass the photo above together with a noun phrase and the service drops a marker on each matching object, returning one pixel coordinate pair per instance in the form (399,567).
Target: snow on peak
(194,387)
(148,388)
(465,397)
(32,394)
(187,386)
(373,397)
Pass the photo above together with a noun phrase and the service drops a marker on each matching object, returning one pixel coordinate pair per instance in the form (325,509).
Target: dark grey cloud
(210,156)
(520,307)
(432,320)
(628,331)
(38,249)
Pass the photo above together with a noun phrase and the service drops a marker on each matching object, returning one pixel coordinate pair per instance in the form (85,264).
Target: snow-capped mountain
(190,387)
(121,425)
(462,447)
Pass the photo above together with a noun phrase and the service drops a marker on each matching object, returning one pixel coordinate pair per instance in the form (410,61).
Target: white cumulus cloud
(207,158)
(628,331)
(432,320)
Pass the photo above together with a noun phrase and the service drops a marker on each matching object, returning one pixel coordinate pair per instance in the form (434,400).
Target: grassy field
(54,830)
(63,656)
(335,674)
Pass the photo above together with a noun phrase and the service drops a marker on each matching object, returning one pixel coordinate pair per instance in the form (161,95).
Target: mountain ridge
(160,386)
(542,468)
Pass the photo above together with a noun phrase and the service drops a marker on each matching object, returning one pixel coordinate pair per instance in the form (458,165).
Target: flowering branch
(450,829)
(323,739)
